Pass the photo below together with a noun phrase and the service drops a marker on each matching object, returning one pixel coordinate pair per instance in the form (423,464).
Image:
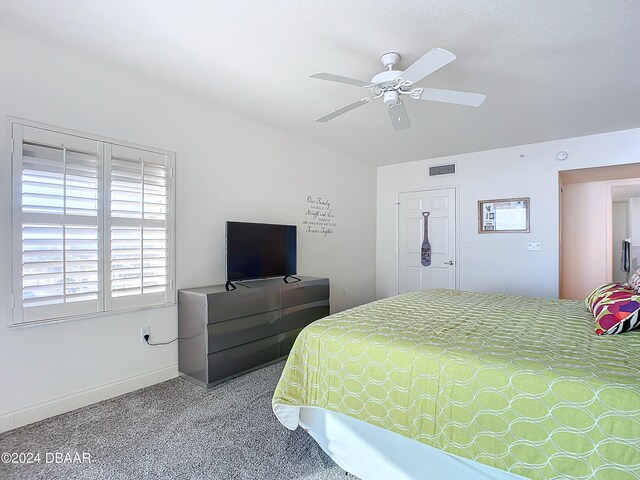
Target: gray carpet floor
(175,430)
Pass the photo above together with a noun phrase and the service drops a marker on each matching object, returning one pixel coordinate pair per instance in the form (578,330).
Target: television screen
(260,250)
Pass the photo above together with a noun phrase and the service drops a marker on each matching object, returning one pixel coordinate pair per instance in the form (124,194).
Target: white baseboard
(66,403)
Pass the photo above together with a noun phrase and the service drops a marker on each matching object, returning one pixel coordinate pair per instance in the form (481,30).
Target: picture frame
(504,215)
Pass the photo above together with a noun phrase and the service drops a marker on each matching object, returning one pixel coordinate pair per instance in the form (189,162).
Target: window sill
(51,321)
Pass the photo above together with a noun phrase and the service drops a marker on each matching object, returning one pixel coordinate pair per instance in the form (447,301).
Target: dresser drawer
(238,331)
(236,360)
(302,315)
(287,339)
(242,302)
(304,292)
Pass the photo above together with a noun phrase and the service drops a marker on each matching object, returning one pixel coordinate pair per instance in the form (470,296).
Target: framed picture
(505,215)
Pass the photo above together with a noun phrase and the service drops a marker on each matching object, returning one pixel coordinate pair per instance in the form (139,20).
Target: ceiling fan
(392,84)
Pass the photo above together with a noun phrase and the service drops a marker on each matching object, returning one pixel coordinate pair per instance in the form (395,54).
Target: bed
(449,384)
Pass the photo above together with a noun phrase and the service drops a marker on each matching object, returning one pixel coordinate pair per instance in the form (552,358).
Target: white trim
(121,311)
(82,398)
(171,295)
(104,148)
(105,197)
(456,190)
(102,230)
(6,241)
(30,123)
(17,312)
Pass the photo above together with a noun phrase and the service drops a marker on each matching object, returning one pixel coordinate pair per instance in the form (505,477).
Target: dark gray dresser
(224,334)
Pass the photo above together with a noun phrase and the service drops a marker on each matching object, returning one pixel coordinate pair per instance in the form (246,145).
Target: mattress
(521,384)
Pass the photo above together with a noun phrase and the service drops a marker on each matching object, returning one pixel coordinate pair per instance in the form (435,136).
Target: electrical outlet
(535,246)
(144,331)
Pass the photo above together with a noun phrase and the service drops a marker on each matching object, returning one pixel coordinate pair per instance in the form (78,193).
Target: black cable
(146,339)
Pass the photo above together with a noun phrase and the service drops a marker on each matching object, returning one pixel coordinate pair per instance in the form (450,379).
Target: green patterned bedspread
(521,384)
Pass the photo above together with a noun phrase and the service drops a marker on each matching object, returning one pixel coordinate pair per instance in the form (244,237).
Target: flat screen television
(260,250)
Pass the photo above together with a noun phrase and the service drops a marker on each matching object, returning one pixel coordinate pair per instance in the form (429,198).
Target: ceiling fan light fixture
(390,98)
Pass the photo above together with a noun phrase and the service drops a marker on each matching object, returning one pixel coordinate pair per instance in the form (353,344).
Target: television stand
(229,286)
(290,276)
(225,333)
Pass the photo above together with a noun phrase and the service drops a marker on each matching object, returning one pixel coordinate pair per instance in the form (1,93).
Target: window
(92,225)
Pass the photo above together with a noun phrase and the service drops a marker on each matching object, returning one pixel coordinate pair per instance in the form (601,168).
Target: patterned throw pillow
(615,307)
(602,292)
(634,281)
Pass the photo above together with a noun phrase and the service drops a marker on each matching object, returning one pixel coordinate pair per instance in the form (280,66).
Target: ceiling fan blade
(453,96)
(399,117)
(340,79)
(429,63)
(345,109)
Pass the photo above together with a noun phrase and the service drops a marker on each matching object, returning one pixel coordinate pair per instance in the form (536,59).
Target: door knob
(450,262)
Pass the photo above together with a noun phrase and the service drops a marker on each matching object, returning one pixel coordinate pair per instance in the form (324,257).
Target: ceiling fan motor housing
(387,79)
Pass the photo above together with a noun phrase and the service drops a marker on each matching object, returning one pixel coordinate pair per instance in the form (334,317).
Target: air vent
(442,170)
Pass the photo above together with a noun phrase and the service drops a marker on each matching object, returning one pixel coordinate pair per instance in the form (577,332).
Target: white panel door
(441,205)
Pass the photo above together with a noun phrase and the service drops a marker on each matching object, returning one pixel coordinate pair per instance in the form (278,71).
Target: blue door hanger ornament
(425,257)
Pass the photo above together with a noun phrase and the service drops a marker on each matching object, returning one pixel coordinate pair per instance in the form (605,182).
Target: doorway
(441,225)
(625,231)
(590,245)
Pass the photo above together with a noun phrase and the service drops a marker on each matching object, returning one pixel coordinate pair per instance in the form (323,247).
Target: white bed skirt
(372,453)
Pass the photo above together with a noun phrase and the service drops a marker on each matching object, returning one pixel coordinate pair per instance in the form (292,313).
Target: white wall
(227,167)
(499,262)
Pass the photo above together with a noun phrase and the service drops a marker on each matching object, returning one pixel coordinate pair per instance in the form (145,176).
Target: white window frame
(123,304)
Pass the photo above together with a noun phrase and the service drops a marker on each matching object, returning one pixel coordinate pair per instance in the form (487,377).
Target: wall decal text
(319,217)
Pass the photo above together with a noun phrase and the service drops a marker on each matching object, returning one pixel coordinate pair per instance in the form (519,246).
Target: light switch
(536,246)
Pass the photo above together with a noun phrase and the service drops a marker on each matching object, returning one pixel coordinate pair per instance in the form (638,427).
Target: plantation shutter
(139,235)
(57,245)
(92,226)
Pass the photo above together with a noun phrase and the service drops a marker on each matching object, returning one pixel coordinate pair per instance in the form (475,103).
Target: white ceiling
(551,69)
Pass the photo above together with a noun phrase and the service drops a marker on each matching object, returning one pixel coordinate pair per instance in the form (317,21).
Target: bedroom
(227,90)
